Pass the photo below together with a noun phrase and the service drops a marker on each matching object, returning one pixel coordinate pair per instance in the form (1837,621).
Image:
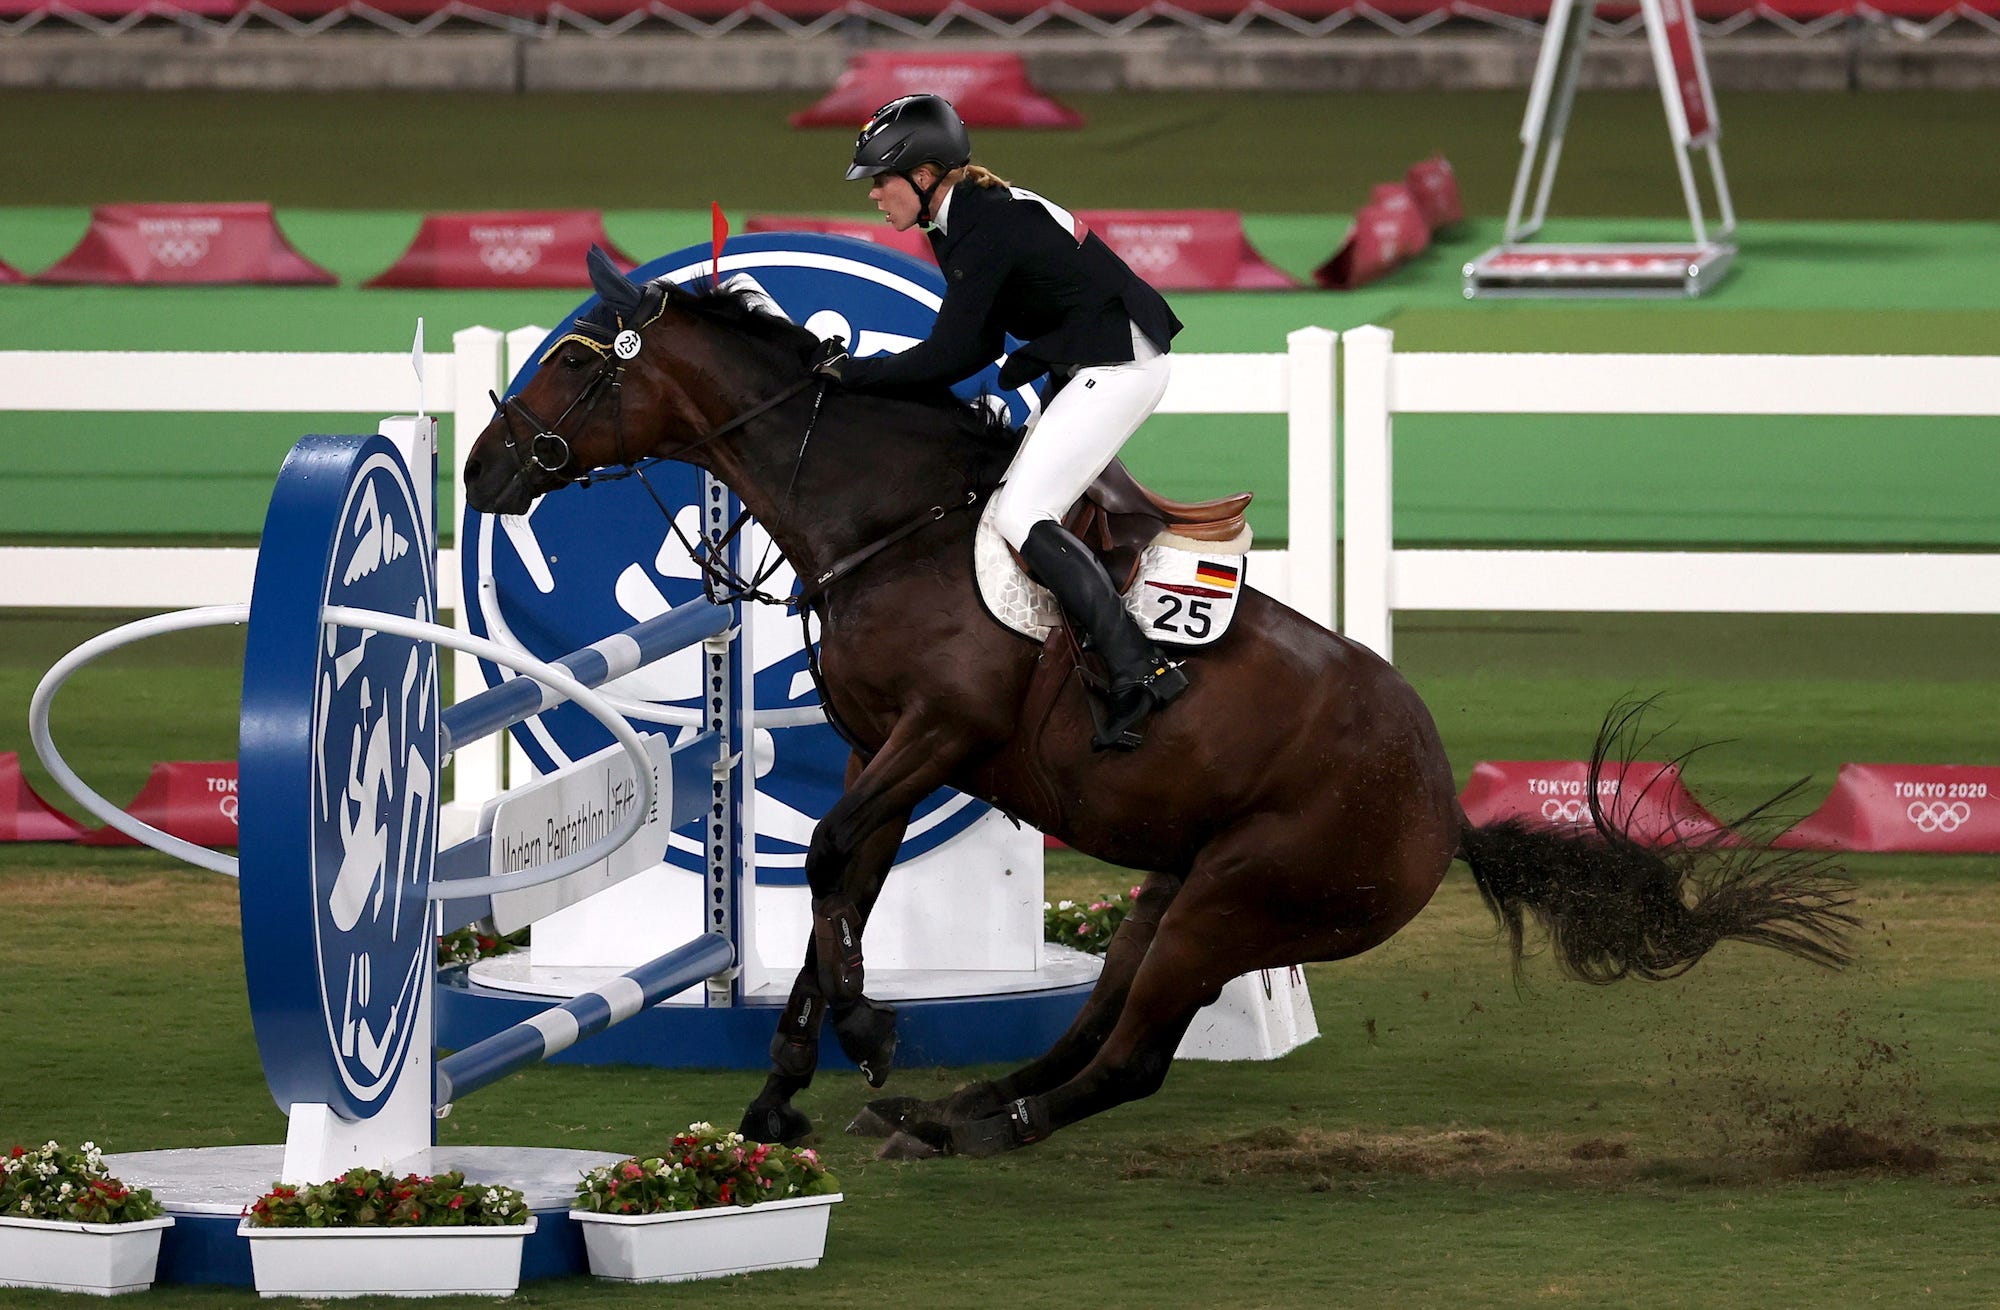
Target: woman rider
(1016,264)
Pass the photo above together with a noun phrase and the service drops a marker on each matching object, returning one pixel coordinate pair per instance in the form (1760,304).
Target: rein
(845,565)
(549,451)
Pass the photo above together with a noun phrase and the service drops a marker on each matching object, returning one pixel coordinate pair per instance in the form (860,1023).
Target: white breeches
(1076,436)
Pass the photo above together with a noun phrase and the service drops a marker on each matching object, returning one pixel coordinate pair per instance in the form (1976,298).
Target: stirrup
(1127,703)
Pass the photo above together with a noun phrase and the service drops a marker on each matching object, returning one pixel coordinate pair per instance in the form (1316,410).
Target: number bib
(1185,598)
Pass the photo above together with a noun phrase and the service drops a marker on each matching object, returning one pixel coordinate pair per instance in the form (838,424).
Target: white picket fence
(1377,579)
(1298,384)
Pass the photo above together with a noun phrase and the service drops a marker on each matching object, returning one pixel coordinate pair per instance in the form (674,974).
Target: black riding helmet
(907,132)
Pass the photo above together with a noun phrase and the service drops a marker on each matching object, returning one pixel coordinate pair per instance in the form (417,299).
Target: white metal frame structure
(1693,124)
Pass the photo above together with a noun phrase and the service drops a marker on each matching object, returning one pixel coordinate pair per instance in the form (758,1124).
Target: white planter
(386,1261)
(102,1259)
(711,1243)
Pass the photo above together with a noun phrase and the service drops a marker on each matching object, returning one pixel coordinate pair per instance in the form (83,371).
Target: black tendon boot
(1142,678)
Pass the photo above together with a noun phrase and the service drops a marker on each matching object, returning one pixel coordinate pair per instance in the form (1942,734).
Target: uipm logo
(374,795)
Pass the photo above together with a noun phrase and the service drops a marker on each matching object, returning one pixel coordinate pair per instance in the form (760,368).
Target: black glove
(830,359)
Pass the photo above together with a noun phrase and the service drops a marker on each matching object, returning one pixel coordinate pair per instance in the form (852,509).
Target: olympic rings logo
(1576,813)
(179,252)
(1153,257)
(510,259)
(1937,816)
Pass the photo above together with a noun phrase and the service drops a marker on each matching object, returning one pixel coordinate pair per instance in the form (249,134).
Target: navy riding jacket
(1015,264)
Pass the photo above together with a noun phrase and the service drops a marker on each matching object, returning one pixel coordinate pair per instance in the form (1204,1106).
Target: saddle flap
(1119,493)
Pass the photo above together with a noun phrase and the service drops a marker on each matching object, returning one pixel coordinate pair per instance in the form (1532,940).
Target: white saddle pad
(1181,597)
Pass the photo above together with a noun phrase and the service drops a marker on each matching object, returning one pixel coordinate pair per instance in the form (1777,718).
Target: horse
(1295,805)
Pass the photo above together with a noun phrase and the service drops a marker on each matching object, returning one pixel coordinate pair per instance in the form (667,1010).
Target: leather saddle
(1118,518)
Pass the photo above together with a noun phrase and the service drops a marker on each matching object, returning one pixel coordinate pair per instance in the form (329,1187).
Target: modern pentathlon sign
(1520,268)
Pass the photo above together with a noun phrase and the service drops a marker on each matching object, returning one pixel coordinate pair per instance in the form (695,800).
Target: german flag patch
(1212,573)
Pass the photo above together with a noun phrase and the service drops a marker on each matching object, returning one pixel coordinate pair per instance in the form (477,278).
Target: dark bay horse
(1296,805)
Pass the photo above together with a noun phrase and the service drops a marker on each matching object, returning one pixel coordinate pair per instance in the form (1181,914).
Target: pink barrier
(501,249)
(1385,232)
(25,816)
(1435,188)
(1938,808)
(10,274)
(1647,801)
(807,10)
(185,245)
(912,242)
(1187,249)
(988,90)
(1393,226)
(192,801)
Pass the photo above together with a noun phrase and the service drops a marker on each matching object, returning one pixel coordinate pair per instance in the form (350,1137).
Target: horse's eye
(572,359)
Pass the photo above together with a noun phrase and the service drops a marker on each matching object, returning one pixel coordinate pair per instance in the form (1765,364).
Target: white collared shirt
(943,208)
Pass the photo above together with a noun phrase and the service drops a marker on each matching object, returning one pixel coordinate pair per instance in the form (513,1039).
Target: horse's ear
(611,284)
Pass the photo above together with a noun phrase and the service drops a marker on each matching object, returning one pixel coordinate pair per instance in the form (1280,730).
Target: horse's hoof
(907,1146)
(974,1101)
(784,1124)
(883,1118)
(867,1033)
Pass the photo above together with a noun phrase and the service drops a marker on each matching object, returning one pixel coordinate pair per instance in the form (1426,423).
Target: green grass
(1449,1140)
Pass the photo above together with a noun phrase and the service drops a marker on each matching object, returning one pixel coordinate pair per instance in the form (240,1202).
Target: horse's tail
(1612,907)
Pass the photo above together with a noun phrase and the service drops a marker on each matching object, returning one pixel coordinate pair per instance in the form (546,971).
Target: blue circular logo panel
(588,562)
(339,794)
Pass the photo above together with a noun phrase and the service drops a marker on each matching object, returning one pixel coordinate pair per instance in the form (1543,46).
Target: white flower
(703,1127)
(1065,905)
(65,1192)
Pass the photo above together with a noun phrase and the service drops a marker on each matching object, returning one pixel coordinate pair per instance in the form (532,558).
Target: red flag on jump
(719,224)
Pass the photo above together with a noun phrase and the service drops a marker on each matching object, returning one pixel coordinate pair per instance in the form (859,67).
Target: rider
(1015,263)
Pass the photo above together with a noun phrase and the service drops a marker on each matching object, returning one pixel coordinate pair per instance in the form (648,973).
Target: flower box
(370,1261)
(707,1243)
(102,1259)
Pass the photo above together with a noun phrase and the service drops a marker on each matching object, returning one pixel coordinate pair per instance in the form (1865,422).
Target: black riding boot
(1141,677)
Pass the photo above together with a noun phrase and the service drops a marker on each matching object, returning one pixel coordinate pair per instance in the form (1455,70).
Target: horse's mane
(739,310)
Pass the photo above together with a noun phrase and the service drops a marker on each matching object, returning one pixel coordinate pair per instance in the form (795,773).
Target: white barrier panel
(1377,579)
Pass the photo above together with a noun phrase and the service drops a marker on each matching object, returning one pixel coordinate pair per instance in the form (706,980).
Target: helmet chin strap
(924,194)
